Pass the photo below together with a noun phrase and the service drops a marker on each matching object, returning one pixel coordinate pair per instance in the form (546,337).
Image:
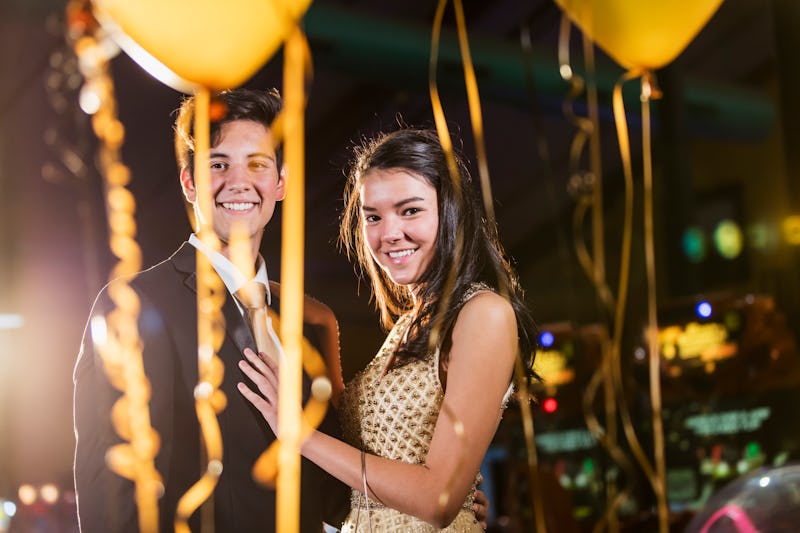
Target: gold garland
(122,350)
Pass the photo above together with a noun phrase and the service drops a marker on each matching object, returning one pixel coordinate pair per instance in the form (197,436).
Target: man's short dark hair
(237,104)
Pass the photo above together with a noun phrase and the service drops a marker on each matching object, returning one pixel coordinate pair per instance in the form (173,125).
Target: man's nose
(237,178)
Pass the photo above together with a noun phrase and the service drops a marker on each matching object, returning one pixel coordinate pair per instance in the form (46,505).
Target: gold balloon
(641,34)
(205,43)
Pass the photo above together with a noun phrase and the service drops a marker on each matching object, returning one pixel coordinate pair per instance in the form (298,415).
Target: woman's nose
(392,231)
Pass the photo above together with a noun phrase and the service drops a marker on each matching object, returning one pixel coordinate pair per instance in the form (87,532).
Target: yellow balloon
(203,43)
(646,34)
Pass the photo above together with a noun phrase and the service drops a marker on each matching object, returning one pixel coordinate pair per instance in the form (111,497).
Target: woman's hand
(263,371)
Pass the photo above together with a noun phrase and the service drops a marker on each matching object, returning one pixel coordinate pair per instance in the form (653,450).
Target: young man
(247,180)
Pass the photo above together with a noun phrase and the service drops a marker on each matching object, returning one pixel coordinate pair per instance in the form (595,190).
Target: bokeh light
(546,339)
(9,508)
(11,321)
(694,244)
(550,405)
(728,239)
(791,230)
(762,237)
(49,493)
(703,309)
(26,494)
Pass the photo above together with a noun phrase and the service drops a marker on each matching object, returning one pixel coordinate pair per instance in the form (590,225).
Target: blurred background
(727,189)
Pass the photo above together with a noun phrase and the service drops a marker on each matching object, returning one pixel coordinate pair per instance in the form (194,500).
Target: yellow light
(49,493)
(791,230)
(27,494)
(728,239)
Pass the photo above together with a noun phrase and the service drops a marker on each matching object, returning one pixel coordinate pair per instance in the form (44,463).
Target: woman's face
(400,220)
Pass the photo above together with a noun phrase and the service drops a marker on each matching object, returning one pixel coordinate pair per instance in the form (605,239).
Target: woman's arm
(484,344)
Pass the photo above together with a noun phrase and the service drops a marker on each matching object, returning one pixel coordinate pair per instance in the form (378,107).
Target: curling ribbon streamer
(122,351)
(444,137)
(447,147)
(588,130)
(209,400)
(655,476)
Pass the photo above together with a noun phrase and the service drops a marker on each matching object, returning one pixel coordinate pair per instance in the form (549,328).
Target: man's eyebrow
(254,154)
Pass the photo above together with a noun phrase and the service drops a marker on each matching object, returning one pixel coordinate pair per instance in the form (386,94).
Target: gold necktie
(253,297)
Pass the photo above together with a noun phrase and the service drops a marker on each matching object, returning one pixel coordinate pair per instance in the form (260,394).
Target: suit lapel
(185,261)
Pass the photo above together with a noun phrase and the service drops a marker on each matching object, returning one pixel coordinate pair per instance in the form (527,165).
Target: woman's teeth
(404,253)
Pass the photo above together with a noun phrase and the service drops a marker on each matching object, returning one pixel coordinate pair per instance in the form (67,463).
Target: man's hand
(481,507)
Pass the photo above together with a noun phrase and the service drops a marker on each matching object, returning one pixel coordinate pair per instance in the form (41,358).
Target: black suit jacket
(168,328)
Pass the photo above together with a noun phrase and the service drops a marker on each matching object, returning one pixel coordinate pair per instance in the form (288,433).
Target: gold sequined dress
(393,415)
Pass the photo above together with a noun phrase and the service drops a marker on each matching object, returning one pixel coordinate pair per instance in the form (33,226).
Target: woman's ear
(187,185)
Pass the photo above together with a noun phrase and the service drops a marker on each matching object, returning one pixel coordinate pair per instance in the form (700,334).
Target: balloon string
(121,351)
(444,136)
(455,174)
(475,115)
(588,131)
(209,400)
(656,478)
(650,91)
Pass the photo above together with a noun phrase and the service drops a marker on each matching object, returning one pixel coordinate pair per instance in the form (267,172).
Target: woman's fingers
(263,377)
(256,399)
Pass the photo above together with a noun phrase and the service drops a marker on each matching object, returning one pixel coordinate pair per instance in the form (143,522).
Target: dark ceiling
(728,98)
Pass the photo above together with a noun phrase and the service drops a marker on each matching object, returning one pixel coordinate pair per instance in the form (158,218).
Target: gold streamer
(655,477)
(447,146)
(650,91)
(594,267)
(122,351)
(209,400)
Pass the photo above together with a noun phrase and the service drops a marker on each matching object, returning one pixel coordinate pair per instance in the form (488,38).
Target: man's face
(245,181)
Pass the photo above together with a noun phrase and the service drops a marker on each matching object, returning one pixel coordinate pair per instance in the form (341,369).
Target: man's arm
(105,500)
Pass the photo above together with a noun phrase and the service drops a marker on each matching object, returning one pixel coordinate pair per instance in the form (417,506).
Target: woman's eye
(371,218)
(218,165)
(411,211)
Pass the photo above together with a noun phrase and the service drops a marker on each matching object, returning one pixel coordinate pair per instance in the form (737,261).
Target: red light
(550,405)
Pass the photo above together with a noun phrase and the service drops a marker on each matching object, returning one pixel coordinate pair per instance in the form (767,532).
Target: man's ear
(281,188)
(187,185)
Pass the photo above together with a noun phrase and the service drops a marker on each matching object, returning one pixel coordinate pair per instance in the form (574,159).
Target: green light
(694,244)
(728,239)
(752,450)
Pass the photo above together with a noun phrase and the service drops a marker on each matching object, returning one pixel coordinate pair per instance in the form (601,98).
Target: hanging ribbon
(483,169)
(656,476)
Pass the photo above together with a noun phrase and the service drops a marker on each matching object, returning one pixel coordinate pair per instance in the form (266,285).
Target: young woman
(420,417)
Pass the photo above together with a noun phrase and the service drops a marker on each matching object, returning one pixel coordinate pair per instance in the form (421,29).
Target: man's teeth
(238,206)
(404,253)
